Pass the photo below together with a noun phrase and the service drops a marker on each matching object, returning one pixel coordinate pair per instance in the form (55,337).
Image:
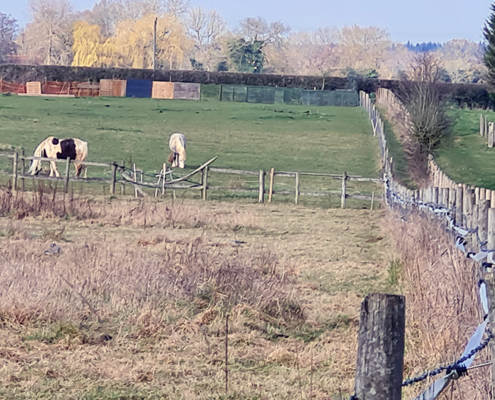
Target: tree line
(119,33)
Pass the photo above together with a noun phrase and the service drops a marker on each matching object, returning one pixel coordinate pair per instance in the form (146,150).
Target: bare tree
(206,28)
(177,8)
(257,29)
(8,30)
(428,113)
(48,37)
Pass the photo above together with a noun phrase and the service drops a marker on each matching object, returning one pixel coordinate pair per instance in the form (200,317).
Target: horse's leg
(55,169)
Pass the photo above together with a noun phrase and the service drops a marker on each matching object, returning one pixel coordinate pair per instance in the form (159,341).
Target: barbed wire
(457,366)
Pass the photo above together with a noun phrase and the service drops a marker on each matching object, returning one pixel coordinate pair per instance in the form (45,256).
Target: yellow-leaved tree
(134,42)
(89,49)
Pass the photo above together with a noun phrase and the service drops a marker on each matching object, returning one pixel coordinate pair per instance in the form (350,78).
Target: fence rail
(165,181)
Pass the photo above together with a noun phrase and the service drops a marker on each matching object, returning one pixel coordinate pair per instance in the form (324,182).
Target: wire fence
(462,227)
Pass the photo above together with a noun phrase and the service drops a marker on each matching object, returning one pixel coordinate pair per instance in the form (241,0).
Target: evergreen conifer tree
(489,56)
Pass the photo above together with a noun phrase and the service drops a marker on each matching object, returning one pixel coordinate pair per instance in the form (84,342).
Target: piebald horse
(177,144)
(52,147)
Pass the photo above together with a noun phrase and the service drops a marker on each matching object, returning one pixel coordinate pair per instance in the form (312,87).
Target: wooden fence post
(380,358)
(483,208)
(344,189)
(459,206)
(205,183)
(296,192)
(23,168)
(122,184)
(15,161)
(491,137)
(67,175)
(272,177)
(164,177)
(261,197)
(114,179)
(135,180)
(482,125)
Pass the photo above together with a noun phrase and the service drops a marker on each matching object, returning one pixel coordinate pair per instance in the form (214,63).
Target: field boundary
(466,213)
(136,178)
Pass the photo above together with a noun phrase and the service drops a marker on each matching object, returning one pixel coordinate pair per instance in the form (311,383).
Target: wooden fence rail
(162,184)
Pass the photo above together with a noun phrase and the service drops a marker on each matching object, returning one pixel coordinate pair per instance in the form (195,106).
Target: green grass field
(464,156)
(243,136)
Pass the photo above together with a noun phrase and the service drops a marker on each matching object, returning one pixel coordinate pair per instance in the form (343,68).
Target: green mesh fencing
(276,95)
(210,92)
(261,94)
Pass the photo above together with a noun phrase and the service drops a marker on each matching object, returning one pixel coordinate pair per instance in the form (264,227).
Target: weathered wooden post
(164,169)
(261,197)
(483,208)
(434,195)
(459,209)
(272,177)
(380,358)
(482,193)
(114,179)
(451,200)
(467,206)
(122,184)
(491,137)
(14,171)
(23,168)
(296,194)
(135,180)
(67,175)
(205,183)
(343,191)
(372,200)
(482,125)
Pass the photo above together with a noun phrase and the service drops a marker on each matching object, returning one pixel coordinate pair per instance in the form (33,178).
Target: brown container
(187,91)
(162,90)
(112,88)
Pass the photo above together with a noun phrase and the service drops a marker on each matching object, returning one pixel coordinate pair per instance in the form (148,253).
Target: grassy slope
(245,136)
(465,156)
(396,150)
(173,348)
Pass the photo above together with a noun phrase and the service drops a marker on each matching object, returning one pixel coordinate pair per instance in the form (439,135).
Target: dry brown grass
(134,305)
(442,304)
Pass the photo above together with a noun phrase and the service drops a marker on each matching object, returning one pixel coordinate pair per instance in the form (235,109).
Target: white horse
(177,144)
(52,147)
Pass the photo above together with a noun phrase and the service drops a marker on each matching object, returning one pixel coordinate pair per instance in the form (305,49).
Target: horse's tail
(181,149)
(35,165)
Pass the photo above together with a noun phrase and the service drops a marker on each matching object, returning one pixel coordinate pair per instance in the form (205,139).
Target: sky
(405,20)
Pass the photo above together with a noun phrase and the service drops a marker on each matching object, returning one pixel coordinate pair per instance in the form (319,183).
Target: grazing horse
(52,147)
(177,144)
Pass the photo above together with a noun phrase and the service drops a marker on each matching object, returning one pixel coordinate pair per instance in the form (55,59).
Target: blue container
(139,88)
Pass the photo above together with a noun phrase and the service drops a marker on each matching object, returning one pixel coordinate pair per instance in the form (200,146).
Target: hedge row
(474,95)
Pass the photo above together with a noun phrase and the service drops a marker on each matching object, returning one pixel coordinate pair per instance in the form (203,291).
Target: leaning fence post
(114,179)
(23,167)
(343,192)
(272,177)
(67,173)
(205,182)
(380,358)
(296,196)
(261,197)
(14,171)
